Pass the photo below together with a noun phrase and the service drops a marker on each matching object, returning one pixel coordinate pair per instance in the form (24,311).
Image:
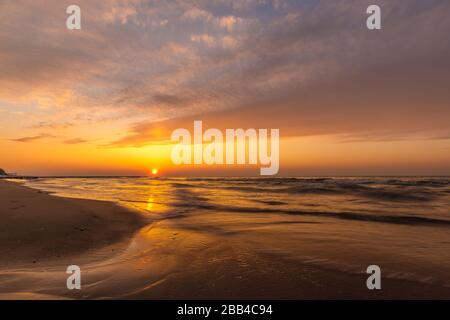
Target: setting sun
(154,171)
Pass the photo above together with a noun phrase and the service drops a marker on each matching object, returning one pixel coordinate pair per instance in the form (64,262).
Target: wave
(337,189)
(426,182)
(271,202)
(384,200)
(393,219)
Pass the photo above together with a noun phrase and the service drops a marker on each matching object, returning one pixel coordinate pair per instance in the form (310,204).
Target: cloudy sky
(104,99)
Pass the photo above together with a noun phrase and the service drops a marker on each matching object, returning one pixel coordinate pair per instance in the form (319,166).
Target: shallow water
(420,201)
(338,224)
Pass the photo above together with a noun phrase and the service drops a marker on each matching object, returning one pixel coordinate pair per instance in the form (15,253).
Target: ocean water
(414,201)
(342,224)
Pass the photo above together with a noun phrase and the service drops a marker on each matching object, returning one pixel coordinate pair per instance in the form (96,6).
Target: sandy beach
(124,255)
(36,227)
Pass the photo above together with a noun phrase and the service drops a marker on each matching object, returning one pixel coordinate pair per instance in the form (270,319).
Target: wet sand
(37,227)
(203,256)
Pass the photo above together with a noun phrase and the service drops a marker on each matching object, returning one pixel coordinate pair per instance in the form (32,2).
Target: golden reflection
(150,203)
(158,197)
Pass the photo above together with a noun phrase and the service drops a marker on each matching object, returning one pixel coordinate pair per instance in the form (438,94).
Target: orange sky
(103,100)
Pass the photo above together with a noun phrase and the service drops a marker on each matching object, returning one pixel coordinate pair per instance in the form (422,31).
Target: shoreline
(38,227)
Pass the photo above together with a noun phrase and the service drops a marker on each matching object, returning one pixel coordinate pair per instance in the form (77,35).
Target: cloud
(33,138)
(309,67)
(229,42)
(351,109)
(167,99)
(196,13)
(203,38)
(74,141)
(50,125)
(229,22)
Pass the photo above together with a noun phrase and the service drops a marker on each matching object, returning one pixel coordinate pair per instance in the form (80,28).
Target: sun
(154,171)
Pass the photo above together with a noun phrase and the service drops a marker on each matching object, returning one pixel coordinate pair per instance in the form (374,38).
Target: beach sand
(36,226)
(122,256)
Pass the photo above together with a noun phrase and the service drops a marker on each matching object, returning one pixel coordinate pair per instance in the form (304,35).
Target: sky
(104,100)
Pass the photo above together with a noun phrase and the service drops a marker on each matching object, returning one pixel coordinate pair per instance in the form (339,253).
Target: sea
(344,224)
